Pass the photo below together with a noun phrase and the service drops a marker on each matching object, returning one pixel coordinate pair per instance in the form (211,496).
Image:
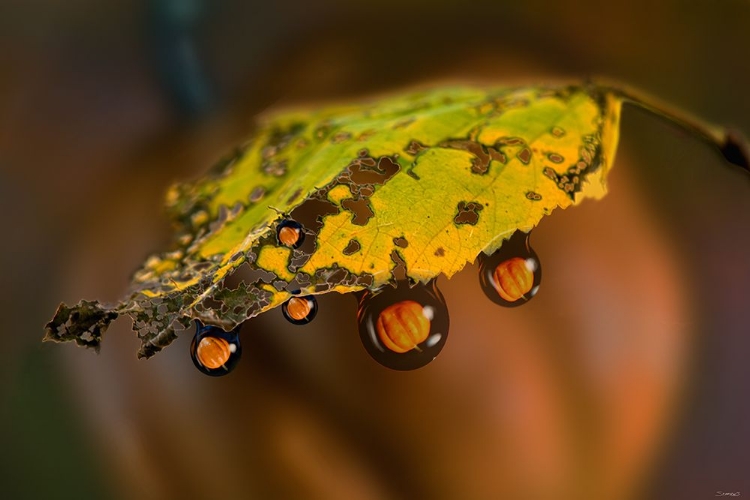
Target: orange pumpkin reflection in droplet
(513,278)
(213,352)
(289,236)
(298,308)
(402,326)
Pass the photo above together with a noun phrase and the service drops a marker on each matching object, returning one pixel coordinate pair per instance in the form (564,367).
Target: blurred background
(626,377)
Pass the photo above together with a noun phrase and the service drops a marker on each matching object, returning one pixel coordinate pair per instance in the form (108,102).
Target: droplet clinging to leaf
(511,276)
(300,310)
(403,328)
(290,233)
(214,351)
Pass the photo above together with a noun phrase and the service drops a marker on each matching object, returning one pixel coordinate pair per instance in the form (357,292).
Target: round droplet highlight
(300,310)
(214,351)
(290,233)
(511,276)
(403,328)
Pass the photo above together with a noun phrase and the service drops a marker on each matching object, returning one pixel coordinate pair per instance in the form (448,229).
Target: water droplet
(290,233)
(214,351)
(511,276)
(300,310)
(403,328)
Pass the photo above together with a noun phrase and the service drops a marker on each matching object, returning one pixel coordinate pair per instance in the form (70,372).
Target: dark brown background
(627,376)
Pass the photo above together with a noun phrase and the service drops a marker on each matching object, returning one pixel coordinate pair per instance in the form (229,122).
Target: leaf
(84,323)
(409,186)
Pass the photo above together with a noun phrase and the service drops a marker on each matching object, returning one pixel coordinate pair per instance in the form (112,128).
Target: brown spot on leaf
(257,194)
(327,278)
(336,276)
(414,148)
(555,158)
(366,134)
(361,172)
(360,208)
(310,214)
(557,132)
(268,152)
(483,155)
(411,173)
(275,168)
(352,247)
(510,141)
(440,252)
(400,242)
(531,195)
(524,155)
(404,123)
(399,270)
(340,137)
(587,155)
(294,196)
(550,173)
(468,212)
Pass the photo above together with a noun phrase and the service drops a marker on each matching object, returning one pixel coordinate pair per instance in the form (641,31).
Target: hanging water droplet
(403,328)
(511,276)
(214,351)
(290,233)
(300,310)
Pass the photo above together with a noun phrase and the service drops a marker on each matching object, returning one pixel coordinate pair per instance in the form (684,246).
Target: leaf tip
(84,324)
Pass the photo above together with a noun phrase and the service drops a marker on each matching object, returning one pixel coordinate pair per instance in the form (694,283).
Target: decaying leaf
(418,184)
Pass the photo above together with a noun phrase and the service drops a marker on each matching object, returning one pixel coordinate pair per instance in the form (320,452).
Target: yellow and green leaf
(417,185)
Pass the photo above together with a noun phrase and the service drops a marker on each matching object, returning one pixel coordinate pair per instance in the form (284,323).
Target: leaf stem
(730,143)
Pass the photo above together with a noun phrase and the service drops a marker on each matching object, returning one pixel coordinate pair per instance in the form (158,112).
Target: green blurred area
(102,105)
(44,453)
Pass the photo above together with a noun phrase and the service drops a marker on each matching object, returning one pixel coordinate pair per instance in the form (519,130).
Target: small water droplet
(511,276)
(300,310)
(403,328)
(290,233)
(214,351)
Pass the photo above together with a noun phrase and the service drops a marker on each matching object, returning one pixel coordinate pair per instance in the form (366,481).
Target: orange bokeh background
(626,377)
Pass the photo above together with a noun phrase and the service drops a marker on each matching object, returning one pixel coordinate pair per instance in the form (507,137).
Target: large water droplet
(214,351)
(511,276)
(403,328)
(300,310)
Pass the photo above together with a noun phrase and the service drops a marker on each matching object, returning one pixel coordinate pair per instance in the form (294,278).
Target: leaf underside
(414,185)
